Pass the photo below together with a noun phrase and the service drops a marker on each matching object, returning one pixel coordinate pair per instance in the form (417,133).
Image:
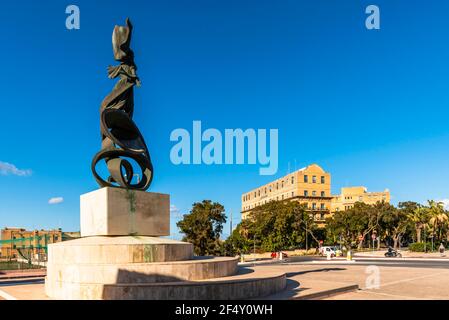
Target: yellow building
(351,195)
(310,185)
(14,239)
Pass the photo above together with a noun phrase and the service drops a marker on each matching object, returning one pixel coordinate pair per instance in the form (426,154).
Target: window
(282,184)
(306,178)
(265,190)
(323,194)
(270,188)
(313,179)
(322,179)
(293,194)
(322,216)
(293,180)
(314,193)
(313,206)
(258,193)
(306,193)
(322,207)
(277,185)
(282,197)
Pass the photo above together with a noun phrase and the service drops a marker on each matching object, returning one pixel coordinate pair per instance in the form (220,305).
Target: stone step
(246,284)
(118,250)
(197,269)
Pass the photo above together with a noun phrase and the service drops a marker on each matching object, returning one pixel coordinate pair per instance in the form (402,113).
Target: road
(360,261)
(397,278)
(384,262)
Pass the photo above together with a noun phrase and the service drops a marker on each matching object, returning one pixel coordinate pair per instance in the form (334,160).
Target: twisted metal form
(121,139)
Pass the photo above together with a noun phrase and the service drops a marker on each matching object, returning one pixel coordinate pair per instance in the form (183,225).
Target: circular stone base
(139,267)
(245,285)
(199,268)
(118,250)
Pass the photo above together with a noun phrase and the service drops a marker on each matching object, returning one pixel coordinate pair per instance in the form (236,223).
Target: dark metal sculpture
(121,139)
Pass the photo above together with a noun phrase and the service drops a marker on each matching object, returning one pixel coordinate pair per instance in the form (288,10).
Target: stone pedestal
(120,257)
(120,212)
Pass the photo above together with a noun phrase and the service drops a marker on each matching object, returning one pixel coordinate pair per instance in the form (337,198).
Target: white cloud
(445,203)
(56,200)
(7,169)
(174,212)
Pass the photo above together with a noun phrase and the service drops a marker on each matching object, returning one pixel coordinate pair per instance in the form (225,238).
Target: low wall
(291,253)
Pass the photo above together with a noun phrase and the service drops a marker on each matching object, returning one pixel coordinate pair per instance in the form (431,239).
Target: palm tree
(438,217)
(420,219)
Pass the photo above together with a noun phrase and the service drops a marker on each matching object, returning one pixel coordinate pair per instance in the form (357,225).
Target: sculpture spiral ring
(121,138)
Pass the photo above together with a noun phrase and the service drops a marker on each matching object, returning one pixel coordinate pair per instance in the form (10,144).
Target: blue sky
(371,107)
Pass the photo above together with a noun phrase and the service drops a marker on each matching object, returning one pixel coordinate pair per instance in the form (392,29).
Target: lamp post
(230,226)
(254,244)
(425,241)
(431,236)
(307,231)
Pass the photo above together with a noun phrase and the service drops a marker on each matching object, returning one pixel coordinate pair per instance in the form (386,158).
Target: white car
(324,251)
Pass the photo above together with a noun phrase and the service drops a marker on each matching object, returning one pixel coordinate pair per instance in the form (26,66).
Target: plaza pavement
(402,283)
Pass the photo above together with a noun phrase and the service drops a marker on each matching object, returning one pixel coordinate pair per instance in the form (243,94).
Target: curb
(401,259)
(21,279)
(328,293)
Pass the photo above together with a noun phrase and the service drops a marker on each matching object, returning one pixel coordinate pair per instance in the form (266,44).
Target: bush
(419,247)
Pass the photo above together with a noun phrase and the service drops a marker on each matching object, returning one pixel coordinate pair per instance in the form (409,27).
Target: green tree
(354,224)
(238,242)
(438,219)
(418,215)
(274,226)
(203,226)
(280,225)
(395,222)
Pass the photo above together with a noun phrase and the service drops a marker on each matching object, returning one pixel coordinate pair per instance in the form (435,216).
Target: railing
(22,258)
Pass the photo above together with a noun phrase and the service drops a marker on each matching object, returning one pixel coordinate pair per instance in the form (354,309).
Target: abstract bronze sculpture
(121,138)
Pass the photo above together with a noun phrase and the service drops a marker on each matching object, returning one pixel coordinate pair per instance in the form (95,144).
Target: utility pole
(230,226)
(425,240)
(254,243)
(307,244)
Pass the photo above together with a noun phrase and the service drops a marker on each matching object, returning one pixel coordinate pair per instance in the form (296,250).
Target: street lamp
(254,243)
(431,237)
(307,243)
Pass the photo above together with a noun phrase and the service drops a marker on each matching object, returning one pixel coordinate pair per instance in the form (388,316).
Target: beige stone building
(351,195)
(14,239)
(310,186)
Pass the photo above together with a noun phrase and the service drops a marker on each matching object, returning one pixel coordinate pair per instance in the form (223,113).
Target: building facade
(350,195)
(310,186)
(14,239)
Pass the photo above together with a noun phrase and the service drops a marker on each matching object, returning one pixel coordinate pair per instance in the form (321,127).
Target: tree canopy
(203,226)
